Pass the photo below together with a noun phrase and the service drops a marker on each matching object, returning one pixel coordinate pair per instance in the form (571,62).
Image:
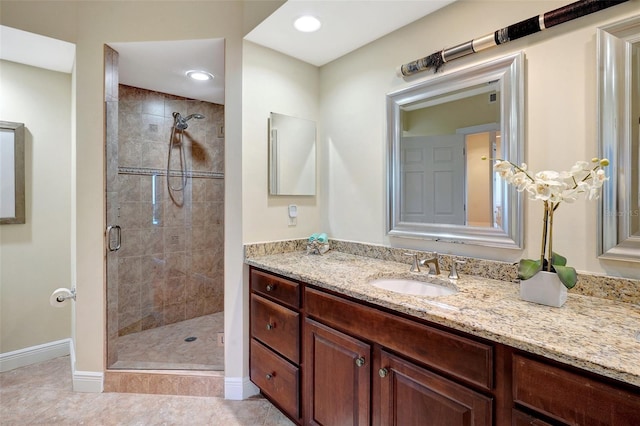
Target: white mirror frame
(616,240)
(509,72)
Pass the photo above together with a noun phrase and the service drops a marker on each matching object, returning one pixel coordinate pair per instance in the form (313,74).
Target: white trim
(34,354)
(239,388)
(88,381)
(85,381)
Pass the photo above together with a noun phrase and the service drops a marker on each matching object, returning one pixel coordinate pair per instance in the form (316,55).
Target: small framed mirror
(619,133)
(12,184)
(438,186)
(292,155)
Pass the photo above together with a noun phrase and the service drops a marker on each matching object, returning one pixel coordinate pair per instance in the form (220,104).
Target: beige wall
(560,123)
(273,82)
(35,257)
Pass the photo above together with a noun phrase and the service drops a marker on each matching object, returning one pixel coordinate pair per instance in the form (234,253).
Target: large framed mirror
(438,130)
(619,133)
(292,155)
(12,183)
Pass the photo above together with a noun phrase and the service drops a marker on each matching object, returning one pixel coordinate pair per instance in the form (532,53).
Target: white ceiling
(346,25)
(161,65)
(36,50)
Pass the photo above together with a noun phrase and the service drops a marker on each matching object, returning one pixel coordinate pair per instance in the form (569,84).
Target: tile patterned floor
(41,394)
(164,348)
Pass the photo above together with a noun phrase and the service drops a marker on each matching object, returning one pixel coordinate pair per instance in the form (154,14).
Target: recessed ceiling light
(199,75)
(307,24)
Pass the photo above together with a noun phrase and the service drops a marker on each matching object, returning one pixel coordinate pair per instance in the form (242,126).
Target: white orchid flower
(520,180)
(580,166)
(553,188)
(598,178)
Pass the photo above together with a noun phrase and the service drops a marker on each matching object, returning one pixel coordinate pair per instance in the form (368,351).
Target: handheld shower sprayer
(177,140)
(180,122)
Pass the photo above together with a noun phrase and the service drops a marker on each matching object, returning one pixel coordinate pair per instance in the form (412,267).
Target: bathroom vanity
(330,349)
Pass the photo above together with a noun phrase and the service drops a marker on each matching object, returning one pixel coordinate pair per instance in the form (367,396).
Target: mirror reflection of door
(433,179)
(443,180)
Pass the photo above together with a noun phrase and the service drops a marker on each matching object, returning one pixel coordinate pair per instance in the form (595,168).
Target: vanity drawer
(277,379)
(276,326)
(522,419)
(572,397)
(452,354)
(277,288)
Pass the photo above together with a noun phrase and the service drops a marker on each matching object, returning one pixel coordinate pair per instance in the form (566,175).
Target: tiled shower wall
(170,264)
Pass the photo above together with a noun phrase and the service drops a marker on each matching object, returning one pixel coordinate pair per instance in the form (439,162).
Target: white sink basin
(413,287)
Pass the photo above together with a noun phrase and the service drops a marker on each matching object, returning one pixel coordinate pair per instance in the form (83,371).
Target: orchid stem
(544,233)
(550,237)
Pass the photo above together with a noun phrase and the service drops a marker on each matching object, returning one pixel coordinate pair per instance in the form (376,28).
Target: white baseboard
(34,354)
(88,381)
(239,388)
(85,381)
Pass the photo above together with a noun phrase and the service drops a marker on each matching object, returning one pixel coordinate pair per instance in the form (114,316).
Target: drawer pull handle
(383,372)
(269,287)
(360,361)
(269,376)
(270,326)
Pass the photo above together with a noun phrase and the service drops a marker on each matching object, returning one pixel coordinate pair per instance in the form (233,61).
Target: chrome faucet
(434,264)
(415,263)
(453,274)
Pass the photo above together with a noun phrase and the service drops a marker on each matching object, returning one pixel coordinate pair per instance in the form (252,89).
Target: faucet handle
(415,264)
(453,274)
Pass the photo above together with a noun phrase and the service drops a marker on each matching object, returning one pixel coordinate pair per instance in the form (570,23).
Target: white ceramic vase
(544,288)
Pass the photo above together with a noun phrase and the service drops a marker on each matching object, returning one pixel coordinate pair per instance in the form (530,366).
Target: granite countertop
(595,334)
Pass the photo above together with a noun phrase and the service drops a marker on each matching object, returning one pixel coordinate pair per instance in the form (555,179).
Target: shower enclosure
(165,208)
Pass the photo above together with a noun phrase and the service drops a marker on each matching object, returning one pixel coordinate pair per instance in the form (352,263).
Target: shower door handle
(111,244)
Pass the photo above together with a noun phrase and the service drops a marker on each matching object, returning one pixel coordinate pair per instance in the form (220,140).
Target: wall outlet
(293,214)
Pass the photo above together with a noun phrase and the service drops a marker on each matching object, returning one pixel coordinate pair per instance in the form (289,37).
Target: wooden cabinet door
(336,377)
(410,395)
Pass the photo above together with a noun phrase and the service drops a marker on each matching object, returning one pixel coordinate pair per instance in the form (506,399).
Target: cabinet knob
(383,372)
(360,361)
(269,376)
(270,326)
(269,287)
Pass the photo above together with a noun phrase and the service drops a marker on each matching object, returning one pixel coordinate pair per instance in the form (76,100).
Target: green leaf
(567,275)
(558,259)
(528,268)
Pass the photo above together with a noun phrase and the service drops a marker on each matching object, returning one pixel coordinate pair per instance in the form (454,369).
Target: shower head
(181,122)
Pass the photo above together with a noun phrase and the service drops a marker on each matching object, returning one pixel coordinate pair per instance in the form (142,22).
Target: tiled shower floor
(165,348)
